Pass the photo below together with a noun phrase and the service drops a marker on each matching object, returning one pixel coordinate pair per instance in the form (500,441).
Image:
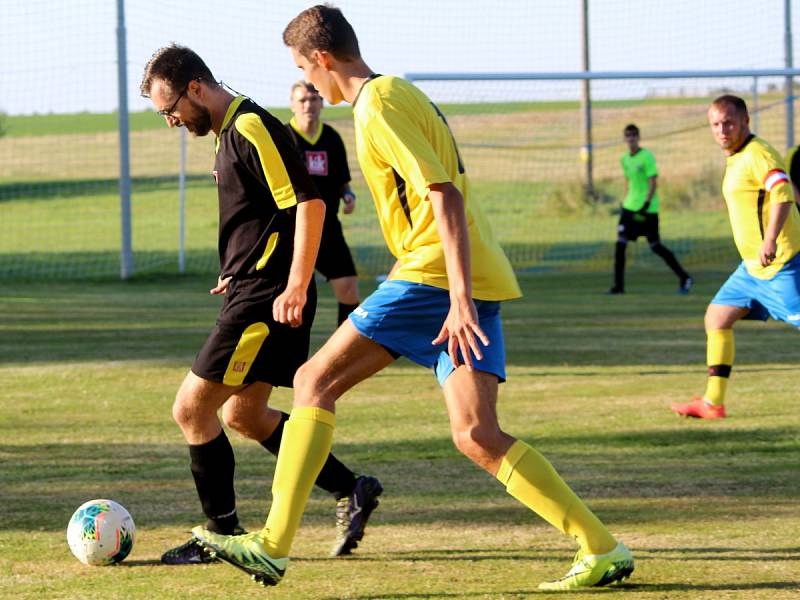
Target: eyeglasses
(168,111)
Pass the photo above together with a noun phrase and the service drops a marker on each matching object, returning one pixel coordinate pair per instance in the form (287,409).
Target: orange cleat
(698,408)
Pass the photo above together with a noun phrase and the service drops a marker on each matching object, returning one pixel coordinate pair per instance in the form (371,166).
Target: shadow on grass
(638,589)
(720,554)
(660,373)
(755,470)
(659,588)
(133,563)
(161,317)
(69,188)
(372,259)
(546,555)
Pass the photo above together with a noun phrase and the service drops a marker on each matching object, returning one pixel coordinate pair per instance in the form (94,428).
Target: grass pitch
(61,210)
(710,509)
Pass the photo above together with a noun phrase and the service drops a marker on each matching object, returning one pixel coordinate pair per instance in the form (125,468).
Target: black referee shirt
(326,161)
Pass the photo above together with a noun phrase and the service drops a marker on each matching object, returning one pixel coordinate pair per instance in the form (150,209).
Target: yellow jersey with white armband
(755,181)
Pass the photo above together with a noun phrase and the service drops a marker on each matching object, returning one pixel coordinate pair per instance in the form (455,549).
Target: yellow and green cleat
(595,570)
(245,552)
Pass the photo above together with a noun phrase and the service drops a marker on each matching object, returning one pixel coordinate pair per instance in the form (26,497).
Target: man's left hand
(462,332)
(767,252)
(349,199)
(288,307)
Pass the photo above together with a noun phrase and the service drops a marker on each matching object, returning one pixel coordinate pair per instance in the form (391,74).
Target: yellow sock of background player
(719,358)
(306,443)
(531,479)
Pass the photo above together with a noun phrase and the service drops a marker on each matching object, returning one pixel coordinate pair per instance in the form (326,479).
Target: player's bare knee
(233,418)
(350,294)
(476,441)
(308,381)
(182,412)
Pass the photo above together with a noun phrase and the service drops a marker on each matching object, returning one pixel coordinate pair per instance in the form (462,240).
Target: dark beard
(201,124)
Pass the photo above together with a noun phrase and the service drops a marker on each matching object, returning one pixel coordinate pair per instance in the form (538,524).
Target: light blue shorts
(405,317)
(778,297)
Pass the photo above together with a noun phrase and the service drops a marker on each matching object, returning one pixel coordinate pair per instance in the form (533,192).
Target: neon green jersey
(638,169)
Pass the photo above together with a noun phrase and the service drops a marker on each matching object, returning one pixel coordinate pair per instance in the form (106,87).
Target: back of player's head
(322,27)
(631,129)
(177,66)
(729,100)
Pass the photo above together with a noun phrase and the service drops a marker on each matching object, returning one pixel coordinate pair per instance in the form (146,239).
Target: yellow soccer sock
(306,443)
(531,479)
(720,353)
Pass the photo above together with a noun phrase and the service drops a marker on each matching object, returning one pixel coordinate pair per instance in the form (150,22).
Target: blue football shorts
(405,317)
(778,297)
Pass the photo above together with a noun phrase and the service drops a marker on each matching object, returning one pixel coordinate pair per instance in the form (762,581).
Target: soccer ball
(101,532)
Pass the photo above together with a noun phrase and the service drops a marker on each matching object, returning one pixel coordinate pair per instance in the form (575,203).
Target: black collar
(746,141)
(366,81)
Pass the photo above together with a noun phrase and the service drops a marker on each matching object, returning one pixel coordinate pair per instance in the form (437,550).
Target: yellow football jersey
(755,181)
(404,145)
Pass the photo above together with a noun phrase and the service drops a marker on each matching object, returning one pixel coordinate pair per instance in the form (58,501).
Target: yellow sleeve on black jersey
(251,127)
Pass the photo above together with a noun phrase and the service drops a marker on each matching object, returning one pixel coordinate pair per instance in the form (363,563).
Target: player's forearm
(777,219)
(651,190)
(451,223)
(307,234)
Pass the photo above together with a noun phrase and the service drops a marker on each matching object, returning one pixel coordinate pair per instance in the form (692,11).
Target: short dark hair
(177,66)
(631,128)
(733,101)
(322,27)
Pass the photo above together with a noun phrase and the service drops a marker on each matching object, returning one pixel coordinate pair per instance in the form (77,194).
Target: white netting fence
(521,140)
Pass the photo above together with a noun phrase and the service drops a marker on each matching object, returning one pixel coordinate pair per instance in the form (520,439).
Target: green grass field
(710,509)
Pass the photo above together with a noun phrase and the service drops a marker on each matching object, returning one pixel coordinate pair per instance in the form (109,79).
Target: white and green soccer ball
(101,532)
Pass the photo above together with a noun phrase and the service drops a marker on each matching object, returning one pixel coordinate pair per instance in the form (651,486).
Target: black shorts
(247,345)
(635,225)
(334,259)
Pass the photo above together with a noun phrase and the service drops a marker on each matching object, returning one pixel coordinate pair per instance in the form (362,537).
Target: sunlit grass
(89,371)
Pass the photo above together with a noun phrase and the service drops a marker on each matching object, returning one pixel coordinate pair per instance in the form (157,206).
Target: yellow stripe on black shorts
(244,355)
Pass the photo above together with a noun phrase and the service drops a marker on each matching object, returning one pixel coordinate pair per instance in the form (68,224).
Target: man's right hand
(349,199)
(221,287)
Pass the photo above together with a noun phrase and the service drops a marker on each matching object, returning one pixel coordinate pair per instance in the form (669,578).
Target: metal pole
(754,109)
(126,247)
(787,18)
(182,202)
(586,101)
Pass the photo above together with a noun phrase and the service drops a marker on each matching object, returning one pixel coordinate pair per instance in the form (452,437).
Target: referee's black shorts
(334,259)
(633,225)
(247,345)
